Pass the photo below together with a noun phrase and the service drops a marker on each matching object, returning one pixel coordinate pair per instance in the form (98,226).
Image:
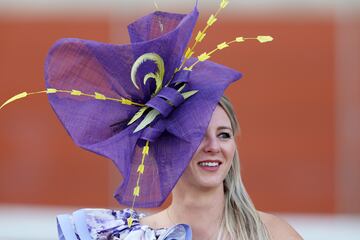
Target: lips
(209,165)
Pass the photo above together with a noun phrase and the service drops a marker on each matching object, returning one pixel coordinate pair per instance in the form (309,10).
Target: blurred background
(298,105)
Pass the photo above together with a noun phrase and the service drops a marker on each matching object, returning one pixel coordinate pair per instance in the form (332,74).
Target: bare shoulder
(156,220)
(278,228)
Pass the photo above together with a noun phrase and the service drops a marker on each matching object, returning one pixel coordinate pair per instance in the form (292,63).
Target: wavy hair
(240,219)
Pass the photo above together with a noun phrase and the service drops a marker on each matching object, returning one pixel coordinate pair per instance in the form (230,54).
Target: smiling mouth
(209,164)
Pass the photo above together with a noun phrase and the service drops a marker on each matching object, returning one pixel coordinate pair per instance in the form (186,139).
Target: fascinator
(144,105)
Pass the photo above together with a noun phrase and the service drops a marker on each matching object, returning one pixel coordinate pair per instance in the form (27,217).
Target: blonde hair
(240,219)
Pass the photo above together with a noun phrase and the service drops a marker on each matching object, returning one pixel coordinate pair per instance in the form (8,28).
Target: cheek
(230,151)
(189,171)
(230,154)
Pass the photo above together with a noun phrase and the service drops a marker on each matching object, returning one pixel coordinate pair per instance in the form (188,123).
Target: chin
(210,182)
(204,180)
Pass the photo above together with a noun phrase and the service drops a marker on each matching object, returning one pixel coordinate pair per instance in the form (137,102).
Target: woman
(212,199)
(208,202)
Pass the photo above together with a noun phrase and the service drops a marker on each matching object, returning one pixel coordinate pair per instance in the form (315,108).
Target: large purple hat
(158,42)
(143,105)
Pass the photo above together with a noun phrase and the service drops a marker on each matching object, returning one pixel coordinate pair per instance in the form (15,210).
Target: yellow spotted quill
(201,35)
(73,92)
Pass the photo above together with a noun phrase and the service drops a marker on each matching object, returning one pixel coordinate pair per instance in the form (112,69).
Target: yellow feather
(99,96)
(14,98)
(203,57)
(264,39)
(181,88)
(141,168)
(137,115)
(130,221)
(240,39)
(200,36)
(51,90)
(188,53)
(126,101)
(186,95)
(145,150)
(76,92)
(147,120)
(222,45)
(224,3)
(158,75)
(212,19)
(136,191)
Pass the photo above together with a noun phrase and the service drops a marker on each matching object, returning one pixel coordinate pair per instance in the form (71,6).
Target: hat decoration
(144,105)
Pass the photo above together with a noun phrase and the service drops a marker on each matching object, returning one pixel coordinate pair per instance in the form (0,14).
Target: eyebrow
(224,127)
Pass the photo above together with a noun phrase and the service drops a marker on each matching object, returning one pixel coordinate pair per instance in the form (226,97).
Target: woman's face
(213,158)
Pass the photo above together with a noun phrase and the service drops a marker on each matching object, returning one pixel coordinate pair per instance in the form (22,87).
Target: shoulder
(156,220)
(278,228)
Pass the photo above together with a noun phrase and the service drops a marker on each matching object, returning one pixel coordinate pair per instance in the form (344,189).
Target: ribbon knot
(166,101)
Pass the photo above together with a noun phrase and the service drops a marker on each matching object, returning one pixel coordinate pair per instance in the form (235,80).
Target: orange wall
(286,108)
(285,104)
(39,163)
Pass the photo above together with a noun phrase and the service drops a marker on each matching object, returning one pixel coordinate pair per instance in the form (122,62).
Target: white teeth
(209,164)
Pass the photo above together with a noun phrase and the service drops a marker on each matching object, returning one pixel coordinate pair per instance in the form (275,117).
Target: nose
(211,144)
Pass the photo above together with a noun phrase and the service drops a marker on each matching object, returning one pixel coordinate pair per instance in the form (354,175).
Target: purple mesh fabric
(101,126)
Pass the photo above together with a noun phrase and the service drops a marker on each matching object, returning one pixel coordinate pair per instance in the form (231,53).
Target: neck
(202,209)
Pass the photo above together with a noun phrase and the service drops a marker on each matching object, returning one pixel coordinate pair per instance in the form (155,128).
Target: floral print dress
(106,224)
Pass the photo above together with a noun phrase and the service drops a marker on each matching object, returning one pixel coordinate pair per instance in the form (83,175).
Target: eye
(224,135)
